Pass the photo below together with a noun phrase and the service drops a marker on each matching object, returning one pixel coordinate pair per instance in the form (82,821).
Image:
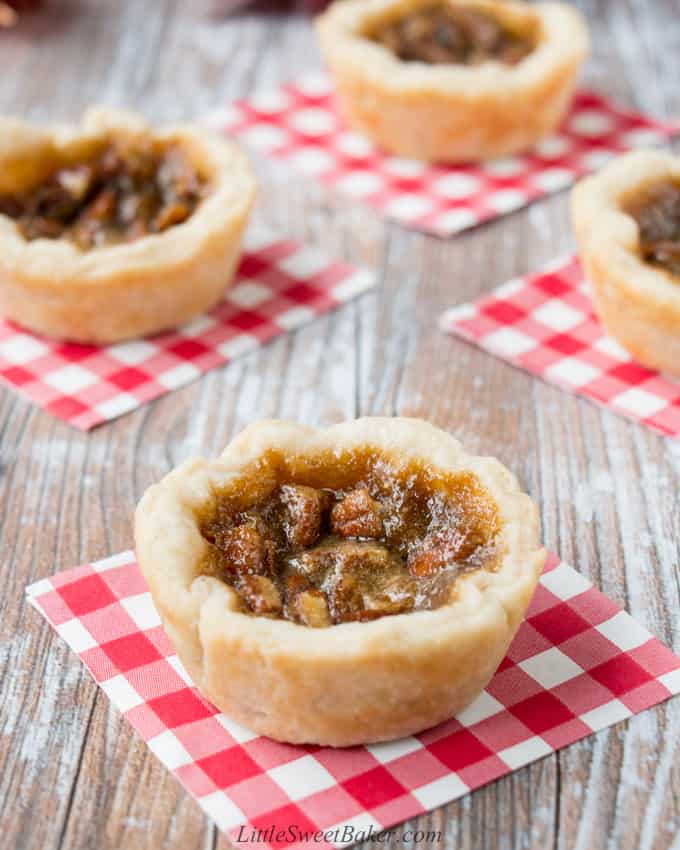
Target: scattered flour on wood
(45,724)
(587,495)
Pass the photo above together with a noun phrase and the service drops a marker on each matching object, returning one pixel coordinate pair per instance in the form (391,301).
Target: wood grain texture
(72,775)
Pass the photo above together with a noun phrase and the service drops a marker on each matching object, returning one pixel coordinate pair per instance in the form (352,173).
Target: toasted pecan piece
(438,550)
(245,550)
(303,513)
(357,515)
(312,609)
(261,594)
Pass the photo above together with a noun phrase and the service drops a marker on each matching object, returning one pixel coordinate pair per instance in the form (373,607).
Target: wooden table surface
(72,774)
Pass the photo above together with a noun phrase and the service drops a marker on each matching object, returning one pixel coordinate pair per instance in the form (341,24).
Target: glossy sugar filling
(354,537)
(445,34)
(126,189)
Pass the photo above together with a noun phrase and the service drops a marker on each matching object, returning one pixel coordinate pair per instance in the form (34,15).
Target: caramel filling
(334,540)
(445,34)
(124,191)
(657,213)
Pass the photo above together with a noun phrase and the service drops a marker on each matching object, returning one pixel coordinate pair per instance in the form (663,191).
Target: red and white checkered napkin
(280,285)
(545,324)
(577,664)
(299,124)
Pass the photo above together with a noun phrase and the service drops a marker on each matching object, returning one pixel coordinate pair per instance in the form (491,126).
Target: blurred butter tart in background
(111,230)
(627,224)
(340,586)
(453,80)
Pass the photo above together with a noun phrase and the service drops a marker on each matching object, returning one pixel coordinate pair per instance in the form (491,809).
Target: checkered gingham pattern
(545,324)
(299,124)
(280,285)
(577,665)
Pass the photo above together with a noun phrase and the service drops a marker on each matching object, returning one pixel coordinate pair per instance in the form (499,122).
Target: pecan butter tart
(453,80)
(627,224)
(340,586)
(112,230)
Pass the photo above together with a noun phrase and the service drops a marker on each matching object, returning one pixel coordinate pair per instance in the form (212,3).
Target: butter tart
(340,586)
(627,224)
(111,230)
(453,80)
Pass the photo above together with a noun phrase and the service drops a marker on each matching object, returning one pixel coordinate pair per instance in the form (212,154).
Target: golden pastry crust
(153,283)
(453,113)
(350,683)
(638,304)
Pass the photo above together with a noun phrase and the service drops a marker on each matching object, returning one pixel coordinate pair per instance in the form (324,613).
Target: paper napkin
(299,125)
(577,665)
(545,323)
